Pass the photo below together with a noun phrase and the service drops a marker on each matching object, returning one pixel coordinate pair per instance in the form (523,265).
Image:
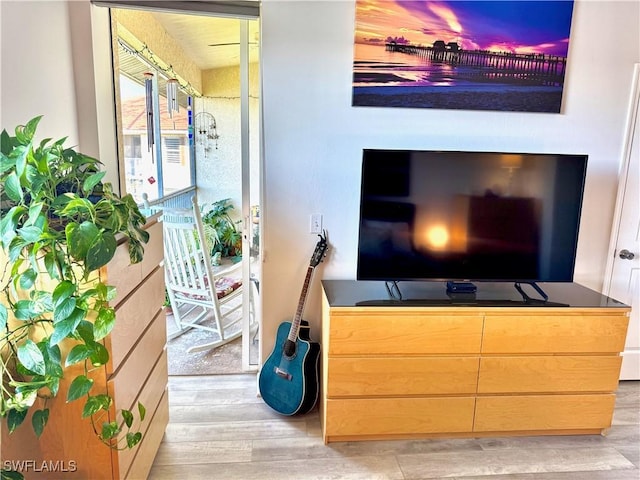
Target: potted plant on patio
(222,232)
(58,228)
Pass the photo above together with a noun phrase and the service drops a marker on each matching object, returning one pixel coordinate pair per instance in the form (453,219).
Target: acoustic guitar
(288,380)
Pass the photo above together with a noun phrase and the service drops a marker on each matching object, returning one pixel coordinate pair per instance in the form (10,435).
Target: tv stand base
(526,297)
(393,289)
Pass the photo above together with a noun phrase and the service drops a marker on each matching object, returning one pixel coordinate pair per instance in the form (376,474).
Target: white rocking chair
(191,283)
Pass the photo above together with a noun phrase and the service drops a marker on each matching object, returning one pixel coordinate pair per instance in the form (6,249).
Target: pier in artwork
(507,67)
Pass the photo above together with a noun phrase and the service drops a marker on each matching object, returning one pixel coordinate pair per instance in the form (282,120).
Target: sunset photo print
(470,55)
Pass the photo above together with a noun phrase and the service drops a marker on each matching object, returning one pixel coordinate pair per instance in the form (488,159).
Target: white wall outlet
(315,225)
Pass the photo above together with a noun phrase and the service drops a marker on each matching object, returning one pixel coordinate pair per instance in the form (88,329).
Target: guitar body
(290,383)
(289,378)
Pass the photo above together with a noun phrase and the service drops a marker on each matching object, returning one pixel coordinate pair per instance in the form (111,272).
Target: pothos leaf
(62,291)
(104,323)
(79,387)
(80,237)
(31,357)
(15,418)
(109,430)
(64,327)
(12,188)
(95,403)
(64,309)
(30,234)
(100,355)
(77,354)
(39,420)
(4,315)
(50,265)
(92,181)
(27,278)
(21,152)
(128,418)
(27,131)
(10,475)
(101,251)
(133,439)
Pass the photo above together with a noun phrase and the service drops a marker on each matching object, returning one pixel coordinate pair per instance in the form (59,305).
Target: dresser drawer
(151,396)
(149,445)
(141,466)
(124,275)
(398,416)
(543,412)
(552,373)
(133,316)
(380,376)
(554,333)
(149,353)
(404,333)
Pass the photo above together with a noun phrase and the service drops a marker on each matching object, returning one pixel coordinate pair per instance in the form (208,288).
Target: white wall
(48,69)
(37,68)
(314,138)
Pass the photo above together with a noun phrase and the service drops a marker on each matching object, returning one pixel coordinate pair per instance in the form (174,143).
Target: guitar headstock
(321,249)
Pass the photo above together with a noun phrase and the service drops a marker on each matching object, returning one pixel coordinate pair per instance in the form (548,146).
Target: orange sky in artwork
(504,25)
(446,14)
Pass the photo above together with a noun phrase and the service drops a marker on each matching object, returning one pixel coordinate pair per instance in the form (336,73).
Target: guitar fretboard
(295,325)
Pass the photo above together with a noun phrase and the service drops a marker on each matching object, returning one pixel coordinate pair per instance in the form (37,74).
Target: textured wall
(143,26)
(219,171)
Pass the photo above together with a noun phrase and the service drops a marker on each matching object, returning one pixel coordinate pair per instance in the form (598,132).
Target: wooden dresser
(492,365)
(136,372)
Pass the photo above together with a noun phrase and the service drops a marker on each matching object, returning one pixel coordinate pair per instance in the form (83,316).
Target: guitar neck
(295,325)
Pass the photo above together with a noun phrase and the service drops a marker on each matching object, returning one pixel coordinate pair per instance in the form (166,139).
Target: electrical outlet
(315,225)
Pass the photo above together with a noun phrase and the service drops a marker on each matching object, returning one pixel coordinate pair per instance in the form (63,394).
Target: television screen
(455,216)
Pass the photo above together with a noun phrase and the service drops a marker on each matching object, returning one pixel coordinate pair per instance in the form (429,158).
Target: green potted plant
(58,228)
(222,233)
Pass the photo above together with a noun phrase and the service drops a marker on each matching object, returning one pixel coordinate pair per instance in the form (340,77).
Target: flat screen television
(469,216)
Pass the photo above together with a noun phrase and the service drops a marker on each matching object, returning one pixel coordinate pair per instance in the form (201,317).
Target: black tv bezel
(514,280)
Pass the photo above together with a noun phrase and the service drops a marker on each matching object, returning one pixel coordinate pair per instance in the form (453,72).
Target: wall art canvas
(473,55)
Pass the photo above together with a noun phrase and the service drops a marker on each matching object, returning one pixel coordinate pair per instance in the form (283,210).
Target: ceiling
(210,42)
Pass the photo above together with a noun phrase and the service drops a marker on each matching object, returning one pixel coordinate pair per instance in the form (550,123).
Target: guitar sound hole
(289,348)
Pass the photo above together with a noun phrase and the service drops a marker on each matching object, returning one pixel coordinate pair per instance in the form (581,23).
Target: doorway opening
(188,111)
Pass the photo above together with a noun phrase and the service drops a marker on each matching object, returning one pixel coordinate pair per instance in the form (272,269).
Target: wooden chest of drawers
(136,372)
(399,372)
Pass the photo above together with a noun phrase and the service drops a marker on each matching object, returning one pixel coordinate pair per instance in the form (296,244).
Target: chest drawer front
(404,334)
(400,376)
(554,333)
(150,443)
(133,317)
(135,464)
(137,368)
(552,374)
(151,393)
(124,275)
(543,412)
(398,416)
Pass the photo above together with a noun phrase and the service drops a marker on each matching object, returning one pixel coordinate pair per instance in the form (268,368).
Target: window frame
(157,149)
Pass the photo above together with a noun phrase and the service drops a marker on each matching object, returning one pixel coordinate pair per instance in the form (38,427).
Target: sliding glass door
(207,68)
(251,184)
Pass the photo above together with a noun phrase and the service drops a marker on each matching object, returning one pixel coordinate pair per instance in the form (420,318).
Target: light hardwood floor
(220,429)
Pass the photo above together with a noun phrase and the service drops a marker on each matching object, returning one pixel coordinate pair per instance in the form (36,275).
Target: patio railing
(179,199)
